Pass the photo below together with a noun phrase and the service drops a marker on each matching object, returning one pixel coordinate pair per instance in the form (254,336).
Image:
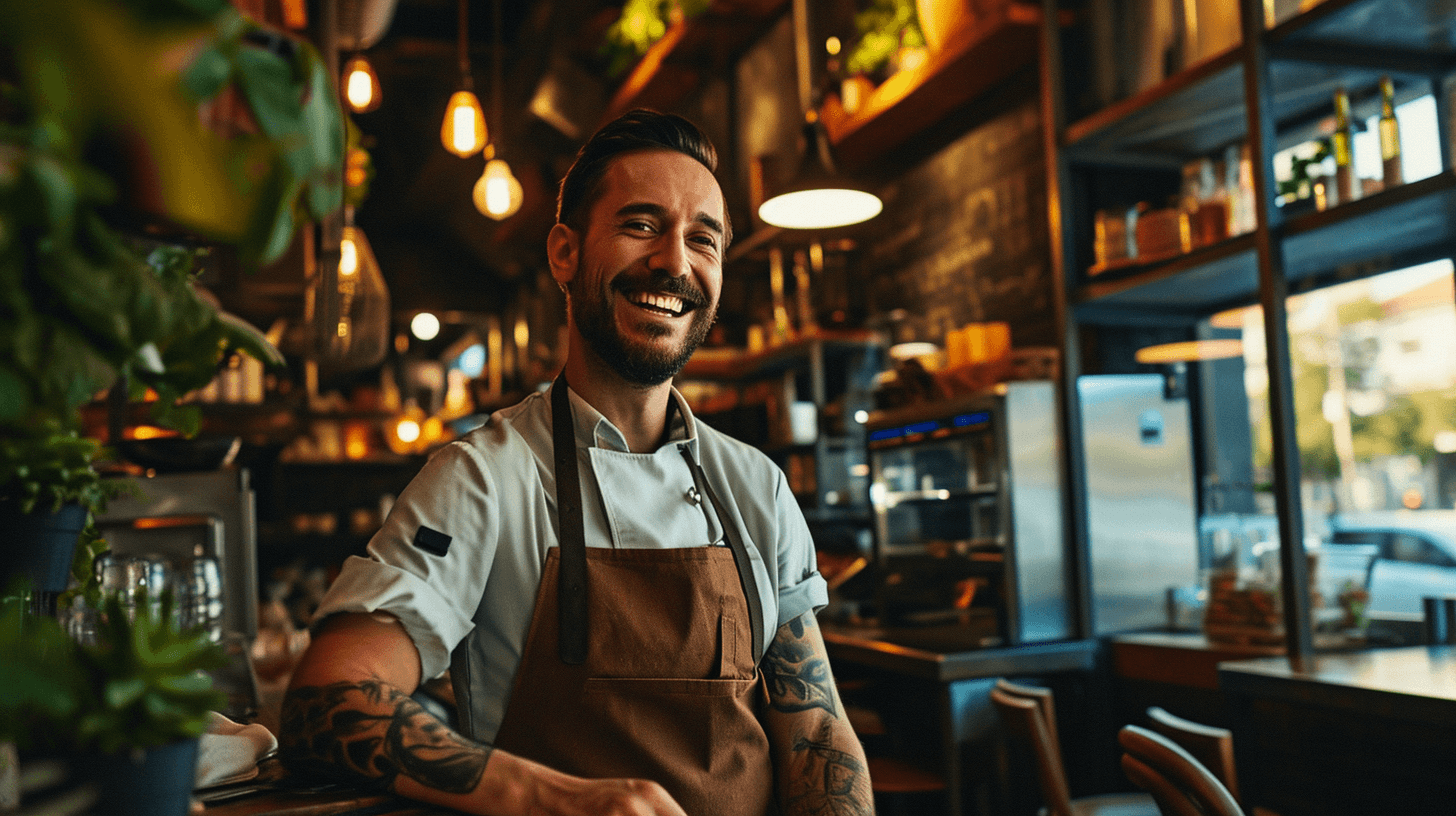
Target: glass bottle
(1389,133)
(1341,143)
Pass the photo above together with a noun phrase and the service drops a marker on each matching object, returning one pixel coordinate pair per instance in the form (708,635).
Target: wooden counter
(336,803)
(883,649)
(1364,733)
(1179,658)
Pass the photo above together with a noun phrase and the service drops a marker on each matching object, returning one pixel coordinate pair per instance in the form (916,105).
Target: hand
(571,796)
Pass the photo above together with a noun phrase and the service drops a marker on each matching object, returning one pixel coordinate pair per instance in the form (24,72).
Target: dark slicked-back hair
(639,129)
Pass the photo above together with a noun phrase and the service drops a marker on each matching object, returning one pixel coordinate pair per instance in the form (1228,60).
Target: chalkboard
(963,237)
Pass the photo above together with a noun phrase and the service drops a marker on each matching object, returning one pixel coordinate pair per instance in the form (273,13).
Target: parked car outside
(1416,555)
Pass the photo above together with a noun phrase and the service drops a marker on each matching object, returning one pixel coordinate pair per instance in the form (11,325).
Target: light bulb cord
(462,46)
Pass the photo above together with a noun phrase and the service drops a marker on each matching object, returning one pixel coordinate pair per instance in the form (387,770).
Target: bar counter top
(943,654)
(1414,683)
(333,803)
(1355,734)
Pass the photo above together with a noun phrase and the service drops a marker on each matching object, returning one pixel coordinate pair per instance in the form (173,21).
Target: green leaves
(142,684)
(48,466)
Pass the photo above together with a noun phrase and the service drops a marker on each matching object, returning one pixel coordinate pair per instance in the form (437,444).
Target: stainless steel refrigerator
(1142,525)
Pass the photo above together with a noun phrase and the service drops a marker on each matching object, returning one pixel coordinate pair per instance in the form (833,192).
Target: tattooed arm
(348,714)
(820,762)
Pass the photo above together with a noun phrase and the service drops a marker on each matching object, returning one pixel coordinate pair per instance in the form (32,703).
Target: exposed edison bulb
(425,326)
(497,193)
(361,85)
(348,258)
(463,131)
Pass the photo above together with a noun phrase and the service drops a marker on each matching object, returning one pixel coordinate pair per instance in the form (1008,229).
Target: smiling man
(625,599)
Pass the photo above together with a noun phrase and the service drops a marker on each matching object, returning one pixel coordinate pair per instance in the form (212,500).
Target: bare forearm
(371,731)
(820,760)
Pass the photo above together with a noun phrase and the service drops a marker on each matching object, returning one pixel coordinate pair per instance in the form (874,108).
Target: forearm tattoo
(832,783)
(798,676)
(374,730)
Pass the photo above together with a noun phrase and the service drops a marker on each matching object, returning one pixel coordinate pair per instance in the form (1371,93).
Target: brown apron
(667,685)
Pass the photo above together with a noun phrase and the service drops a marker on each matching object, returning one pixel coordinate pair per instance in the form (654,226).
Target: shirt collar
(593,430)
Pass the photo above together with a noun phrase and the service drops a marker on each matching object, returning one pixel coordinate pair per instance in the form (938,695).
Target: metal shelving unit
(1270,90)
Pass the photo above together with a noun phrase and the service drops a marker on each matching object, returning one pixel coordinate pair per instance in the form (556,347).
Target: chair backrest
(1025,718)
(1181,786)
(1210,745)
(1043,698)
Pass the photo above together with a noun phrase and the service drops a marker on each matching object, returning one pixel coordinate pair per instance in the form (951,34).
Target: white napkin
(229,751)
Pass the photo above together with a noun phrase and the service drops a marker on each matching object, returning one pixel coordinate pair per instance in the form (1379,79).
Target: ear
(563,252)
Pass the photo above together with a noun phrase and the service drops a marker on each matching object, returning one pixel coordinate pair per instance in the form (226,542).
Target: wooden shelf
(1404,225)
(979,58)
(777,359)
(690,50)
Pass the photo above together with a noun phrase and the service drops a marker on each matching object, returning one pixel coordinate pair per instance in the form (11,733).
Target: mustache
(665,284)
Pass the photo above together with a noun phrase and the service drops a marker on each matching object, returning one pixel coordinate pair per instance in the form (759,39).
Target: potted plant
(49,493)
(126,709)
(123,120)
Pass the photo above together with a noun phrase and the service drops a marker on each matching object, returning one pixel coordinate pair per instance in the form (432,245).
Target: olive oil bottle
(1389,133)
(1341,144)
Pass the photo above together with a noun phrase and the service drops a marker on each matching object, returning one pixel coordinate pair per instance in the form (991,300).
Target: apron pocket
(704,730)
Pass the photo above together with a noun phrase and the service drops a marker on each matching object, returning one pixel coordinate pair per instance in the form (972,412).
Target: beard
(636,362)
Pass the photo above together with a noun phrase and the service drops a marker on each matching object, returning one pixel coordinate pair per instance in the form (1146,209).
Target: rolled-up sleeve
(431,581)
(800,586)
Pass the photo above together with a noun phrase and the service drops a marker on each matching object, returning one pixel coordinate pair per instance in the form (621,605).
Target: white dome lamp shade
(818,198)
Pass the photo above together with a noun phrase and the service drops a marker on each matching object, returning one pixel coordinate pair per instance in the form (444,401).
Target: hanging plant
(641,24)
(885,26)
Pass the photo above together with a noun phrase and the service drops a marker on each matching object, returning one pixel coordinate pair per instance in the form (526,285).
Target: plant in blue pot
(125,709)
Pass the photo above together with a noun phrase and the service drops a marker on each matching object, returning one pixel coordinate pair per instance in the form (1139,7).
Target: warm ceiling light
(361,85)
(1190,351)
(425,326)
(497,193)
(818,198)
(348,257)
(463,131)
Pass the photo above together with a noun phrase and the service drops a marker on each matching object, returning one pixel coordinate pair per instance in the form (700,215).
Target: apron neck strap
(571,531)
(740,554)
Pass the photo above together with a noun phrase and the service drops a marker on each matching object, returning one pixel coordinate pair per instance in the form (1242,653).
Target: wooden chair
(1028,714)
(1178,782)
(1210,745)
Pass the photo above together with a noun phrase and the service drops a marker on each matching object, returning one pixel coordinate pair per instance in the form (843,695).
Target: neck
(638,411)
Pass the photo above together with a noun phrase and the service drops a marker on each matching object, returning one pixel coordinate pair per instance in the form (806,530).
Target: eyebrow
(659,211)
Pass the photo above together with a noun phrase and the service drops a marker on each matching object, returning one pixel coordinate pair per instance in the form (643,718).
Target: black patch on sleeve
(433,542)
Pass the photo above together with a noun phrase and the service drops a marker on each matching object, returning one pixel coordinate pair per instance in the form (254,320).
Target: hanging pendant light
(361,85)
(463,131)
(352,306)
(817,198)
(497,193)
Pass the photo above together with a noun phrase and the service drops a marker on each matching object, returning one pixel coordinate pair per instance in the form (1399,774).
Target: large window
(1373,364)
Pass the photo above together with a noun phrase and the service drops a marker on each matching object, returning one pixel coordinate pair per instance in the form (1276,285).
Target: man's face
(649,267)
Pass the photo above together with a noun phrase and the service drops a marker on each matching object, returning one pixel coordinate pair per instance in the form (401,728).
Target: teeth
(667,303)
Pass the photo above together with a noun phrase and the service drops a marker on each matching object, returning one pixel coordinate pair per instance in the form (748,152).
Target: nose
(670,255)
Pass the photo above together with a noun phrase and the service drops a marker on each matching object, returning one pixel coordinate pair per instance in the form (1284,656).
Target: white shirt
(493,492)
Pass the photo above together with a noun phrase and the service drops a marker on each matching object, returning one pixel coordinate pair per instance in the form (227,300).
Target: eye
(705,239)
(640,226)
